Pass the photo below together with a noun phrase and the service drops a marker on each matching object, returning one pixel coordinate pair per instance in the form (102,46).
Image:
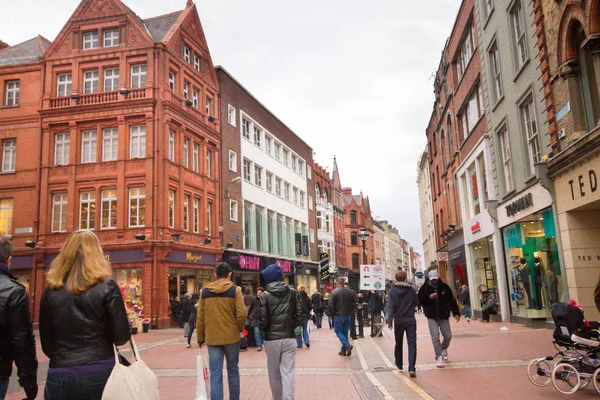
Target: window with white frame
(171,210)
(186,54)
(278,187)
(138,76)
(63,84)
(9,155)
(196,215)
(111,79)
(196,62)
(87,210)
(247,170)
(209,218)
(186,152)
(294,163)
(506,159)
(171,145)
(195,98)
(518,22)
(301,167)
(246,128)
(109,209)
(496,76)
(209,163)
(137,206)
(488,7)
(312,235)
(12,93)
(257,175)
(62,148)
(231,114)
(90,81)
(328,224)
(296,197)
(531,130)
(6,216)
(257,136)
(137,141)
(277,151)
(88,146)
(310,202)
(269,180)
(110,144)
(90,40)
(286,157)
(474,111)
(111,38)
(309,172)
(186,212)
(208,106)
(465,53)
(268,144)
(196,158)
(59,212)
(232,160)
(186,90)
(302,199)
(320,222)
(233,210)
(286,191)
(172,81)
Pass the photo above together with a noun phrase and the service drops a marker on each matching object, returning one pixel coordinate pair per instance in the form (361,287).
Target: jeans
(186,329)
(467,311)
(342,326)
(66,386)
(231,352)
(281,364)
(411,337)
(3,388)
(191,332)
(435,326)
(319,318)
(304,334)
(257,337)
(330,320)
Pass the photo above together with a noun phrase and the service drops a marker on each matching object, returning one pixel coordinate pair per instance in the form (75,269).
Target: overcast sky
(351,77)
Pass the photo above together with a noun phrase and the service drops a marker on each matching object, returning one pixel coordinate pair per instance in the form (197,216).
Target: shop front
(247,268)
(533,266)
(189,272)
(458,263)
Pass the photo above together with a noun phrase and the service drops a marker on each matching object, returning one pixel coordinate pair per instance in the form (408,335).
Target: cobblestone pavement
(485,360)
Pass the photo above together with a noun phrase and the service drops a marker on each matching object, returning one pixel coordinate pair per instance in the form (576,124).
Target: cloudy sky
(351,77)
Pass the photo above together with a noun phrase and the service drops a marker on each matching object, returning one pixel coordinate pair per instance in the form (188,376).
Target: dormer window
(111,38)
(187,54)
(90,40)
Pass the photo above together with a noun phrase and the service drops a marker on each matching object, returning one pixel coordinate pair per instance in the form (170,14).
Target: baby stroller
(582,364)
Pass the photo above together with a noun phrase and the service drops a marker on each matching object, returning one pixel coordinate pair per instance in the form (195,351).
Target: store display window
(534,273)
(184,280)
(485,275)
(130,283)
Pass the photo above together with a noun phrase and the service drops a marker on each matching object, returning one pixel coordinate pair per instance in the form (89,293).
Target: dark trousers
(411,337)
(353,326)
(63,386)
(190,332)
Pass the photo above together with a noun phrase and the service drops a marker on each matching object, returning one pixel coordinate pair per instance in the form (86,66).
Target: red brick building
(339,224)
(129,144)
(357,212)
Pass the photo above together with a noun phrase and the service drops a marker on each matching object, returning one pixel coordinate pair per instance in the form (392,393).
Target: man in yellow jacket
(221,318)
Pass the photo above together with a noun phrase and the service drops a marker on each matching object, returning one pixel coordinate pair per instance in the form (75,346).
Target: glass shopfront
(458,268)
(484,270)
(534,273)
(187,280)
(310,281)
(130,283)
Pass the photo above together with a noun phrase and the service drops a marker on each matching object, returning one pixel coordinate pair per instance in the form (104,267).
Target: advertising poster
(372,277)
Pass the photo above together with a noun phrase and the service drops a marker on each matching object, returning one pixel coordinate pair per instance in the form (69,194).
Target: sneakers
(349,350)
(342,353)
(445,355)
(440,362)
(413,374)
(308,345)
(259,348)
(188,345)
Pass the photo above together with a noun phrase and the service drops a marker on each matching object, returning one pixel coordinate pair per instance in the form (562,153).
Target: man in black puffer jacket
(16,332)
(279,314)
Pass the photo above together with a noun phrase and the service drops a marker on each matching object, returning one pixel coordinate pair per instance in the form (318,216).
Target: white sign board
(372,277)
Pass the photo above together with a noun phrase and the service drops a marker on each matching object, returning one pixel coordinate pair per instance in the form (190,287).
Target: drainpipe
(154,195)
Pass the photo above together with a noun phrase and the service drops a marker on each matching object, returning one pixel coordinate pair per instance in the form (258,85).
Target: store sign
(476,227)
(193,257)
(249,263)
(21,262)
(579,187)
(286,266)
(442,256)
(299,265)
(520,204)
(188,257)
(325,273)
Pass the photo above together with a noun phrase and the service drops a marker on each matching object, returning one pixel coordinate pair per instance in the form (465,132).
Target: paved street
(484,360)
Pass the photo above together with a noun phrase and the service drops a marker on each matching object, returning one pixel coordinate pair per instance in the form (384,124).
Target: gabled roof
(31,50)
(159,26)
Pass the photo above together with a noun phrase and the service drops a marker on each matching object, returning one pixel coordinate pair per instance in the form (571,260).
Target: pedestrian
(437,300)
(248,299)
(221,318)
(253,317)
(342,305)
(177,311)
(307,307)
(280,312)
(193,319)
(185,313)
(317,303)
(82,315)
(490,306)
(465,299)
(375,307)
(326,309)
(402,301)
(16,330)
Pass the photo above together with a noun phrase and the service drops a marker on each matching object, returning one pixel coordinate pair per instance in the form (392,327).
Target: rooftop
(29,51)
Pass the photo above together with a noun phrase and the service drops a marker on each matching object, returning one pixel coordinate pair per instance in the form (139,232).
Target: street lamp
(363,235)
(234,180)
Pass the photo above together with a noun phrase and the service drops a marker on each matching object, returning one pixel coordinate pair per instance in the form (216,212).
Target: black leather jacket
(280,312)
(16,332)
(77,330)
(342,302)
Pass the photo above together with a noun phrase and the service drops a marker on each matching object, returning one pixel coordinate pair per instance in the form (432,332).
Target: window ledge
(530,180)
(489,16)
(498,103)
(508,195)
(8,172)
(15,106)
(521,69)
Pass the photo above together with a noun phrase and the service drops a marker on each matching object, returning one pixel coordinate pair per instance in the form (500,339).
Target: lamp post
(363,235)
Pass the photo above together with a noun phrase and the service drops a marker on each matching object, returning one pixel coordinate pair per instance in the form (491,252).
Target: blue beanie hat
(272,273)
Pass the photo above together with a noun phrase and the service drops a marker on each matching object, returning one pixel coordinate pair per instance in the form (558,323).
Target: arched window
(443,145)
(587,80)
(354,260)
(450,137)
(317,191)
(352,217)
(353,239)
(325,195)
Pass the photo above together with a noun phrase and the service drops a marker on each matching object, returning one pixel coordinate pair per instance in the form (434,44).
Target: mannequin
(133,288)
(553,286)
(526,281)
(537,279)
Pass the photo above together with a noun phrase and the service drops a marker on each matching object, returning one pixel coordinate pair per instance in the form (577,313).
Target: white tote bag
(202,378)
(136,382)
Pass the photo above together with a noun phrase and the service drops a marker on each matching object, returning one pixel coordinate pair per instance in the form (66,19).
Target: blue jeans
(3,388)
(467,311)
(67,386)
(342,327)
(231,352)
(257,337)
(330,320)
(304,334)
(319,318)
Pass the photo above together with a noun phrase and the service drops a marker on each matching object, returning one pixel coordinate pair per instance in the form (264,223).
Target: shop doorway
(184,280)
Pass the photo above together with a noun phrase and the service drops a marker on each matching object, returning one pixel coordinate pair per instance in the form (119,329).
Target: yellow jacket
(221,313)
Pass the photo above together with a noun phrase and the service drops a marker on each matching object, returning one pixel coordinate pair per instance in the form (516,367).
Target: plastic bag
(202,378)
(311,326)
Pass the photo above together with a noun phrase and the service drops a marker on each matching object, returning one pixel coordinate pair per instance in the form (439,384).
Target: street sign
(372,277)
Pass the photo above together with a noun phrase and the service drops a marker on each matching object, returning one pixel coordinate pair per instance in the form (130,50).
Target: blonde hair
(302,288)
(80,263)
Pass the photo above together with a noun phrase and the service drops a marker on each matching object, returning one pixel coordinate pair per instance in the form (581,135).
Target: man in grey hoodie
(402,301)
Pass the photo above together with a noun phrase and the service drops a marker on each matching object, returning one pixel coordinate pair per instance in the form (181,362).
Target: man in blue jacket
(402,301)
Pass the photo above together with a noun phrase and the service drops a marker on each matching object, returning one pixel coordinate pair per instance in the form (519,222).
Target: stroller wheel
(539,372)
(565,378)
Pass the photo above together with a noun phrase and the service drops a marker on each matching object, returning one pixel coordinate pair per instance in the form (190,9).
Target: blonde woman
(82,315)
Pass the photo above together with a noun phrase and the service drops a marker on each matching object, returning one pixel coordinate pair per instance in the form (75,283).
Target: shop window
(130,283)
(184,281)
(484,270)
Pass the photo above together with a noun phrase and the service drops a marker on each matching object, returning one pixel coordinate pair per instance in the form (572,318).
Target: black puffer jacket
(317,303)
(16,333)
(280,312)
(77,330)
(438,308)
(306,304)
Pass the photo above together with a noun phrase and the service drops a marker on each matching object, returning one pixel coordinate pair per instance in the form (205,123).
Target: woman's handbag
(298,330)
(135,382)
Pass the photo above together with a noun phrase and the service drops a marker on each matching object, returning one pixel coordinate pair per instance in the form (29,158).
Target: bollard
(359,308)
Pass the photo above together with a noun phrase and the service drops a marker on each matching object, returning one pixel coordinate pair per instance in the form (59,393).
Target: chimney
(3,45)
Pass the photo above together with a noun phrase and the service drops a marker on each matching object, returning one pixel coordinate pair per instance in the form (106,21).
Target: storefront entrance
(484,270)
(187,281)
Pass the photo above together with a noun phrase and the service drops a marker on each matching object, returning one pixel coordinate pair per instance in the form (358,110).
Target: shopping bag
(311,326)
(202,378)
(134,382)
(298,330)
